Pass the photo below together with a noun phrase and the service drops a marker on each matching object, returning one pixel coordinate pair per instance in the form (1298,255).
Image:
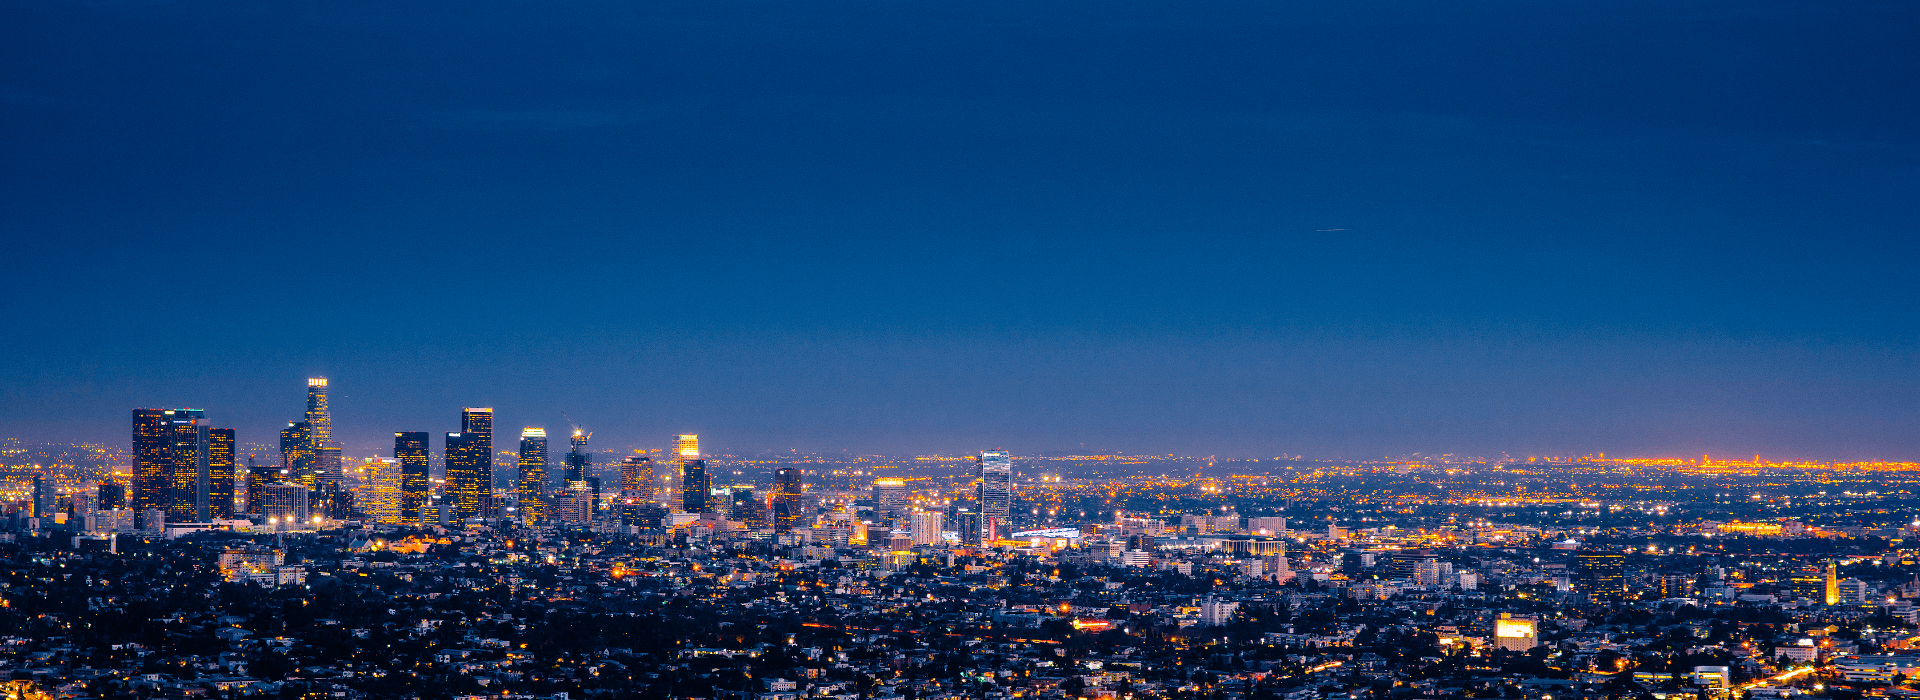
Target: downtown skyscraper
(695,485)
(152,460)
(258,476)
(416,488)
(377,496)
(579,460)
(636,479)
(994,494)
(189,447)
(470,463)
(182,468)
(319,419)
(531,482)
(326,470)
(787,498)
(296,454)
(219,484)
(307,454)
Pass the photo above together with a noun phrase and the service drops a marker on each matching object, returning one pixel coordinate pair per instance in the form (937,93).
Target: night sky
(1339,229)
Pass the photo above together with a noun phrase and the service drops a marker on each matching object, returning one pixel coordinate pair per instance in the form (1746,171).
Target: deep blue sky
(1237,228)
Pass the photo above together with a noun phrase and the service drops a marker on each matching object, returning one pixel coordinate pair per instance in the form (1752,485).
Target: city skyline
(960,350)
(300,435)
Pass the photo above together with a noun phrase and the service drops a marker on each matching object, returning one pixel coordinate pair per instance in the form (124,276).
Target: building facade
(220,474)
(929,527)
(319,418)
(530,484)
(296,454)
(152,460)
(286,506)
(469,456)
(579,460)
(890,499)
(995,494)
(788,493)
(694,486)
(416,490)
(189,446)
(378,494)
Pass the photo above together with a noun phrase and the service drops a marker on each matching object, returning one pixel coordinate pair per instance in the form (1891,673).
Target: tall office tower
(220,474)
(531,482)
(187,445)
(296,455)
(319,421)
(469,458)
(258,476)
(378,493)
(1832,596)
(787,494)
(694,485)
(109,496)
(889,498)
(995,494)
(929,527)
(152,460)
(416,489)
(686,451)
(468,480)
(579,460)
(329,469)
(43,499)
(636,479)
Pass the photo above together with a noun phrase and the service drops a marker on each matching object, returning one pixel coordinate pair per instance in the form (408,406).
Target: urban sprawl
(174,567)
